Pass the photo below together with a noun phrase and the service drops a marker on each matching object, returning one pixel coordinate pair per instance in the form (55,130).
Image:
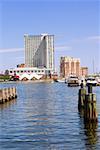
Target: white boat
(60,80)
(73,81)
(98,81)
(92,81)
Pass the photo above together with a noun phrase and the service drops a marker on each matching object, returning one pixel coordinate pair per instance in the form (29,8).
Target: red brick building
(69,65)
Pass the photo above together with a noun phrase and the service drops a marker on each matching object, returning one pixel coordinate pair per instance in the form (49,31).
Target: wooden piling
(81,96)
(10,93)
(14,93)
(90,113)
(7,94)
(87,102)
(91,132)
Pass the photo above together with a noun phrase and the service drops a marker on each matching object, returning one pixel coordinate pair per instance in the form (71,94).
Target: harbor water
(45,117)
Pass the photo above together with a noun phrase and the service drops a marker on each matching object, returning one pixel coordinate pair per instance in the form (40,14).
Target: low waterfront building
(31,73)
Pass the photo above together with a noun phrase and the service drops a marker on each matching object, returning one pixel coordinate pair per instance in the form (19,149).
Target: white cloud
(63,47)
(58,47)
(96,38)
(19,57)
(11,50)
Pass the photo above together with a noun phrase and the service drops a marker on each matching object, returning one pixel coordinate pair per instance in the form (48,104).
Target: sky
(74,23)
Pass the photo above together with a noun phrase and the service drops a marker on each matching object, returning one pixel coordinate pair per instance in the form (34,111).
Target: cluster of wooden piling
(87,104)
(7,94)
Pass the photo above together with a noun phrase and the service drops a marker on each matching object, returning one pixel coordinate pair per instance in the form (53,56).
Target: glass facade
(39,51)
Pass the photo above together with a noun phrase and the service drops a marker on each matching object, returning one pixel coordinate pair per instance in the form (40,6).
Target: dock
(7,94)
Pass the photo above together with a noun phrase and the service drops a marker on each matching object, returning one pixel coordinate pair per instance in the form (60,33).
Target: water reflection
(90,130)
(45,116)
(8,104)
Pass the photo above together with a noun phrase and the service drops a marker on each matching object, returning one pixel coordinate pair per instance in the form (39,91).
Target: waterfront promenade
(45,117)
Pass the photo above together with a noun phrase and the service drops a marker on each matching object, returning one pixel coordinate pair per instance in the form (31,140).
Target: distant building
(6,72)
(39,51)
(84,71)
(69,65)
(39,58)
(21,66)
(31,73)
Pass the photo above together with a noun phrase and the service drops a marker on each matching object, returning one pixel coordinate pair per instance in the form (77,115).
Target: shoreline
(30,81)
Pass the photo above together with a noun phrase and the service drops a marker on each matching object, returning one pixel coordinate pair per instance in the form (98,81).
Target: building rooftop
(43,34)
(70,58)
(30,68)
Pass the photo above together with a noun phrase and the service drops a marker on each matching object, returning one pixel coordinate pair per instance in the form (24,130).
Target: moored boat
(98,81)
(60,80)
(73,81)
(92,81)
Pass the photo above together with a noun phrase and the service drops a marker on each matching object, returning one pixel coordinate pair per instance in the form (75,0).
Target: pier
(87,104)
(7,94)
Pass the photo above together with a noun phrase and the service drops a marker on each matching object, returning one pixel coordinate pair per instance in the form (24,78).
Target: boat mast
(93,65)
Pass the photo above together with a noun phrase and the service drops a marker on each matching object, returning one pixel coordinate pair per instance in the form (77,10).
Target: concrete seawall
(7,94)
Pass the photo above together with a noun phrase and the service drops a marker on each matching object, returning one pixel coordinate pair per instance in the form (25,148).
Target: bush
(4,77)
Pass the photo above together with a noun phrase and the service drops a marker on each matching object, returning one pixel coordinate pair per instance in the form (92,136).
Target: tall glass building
(39,51)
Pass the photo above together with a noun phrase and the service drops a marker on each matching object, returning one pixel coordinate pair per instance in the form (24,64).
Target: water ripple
(45,117)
